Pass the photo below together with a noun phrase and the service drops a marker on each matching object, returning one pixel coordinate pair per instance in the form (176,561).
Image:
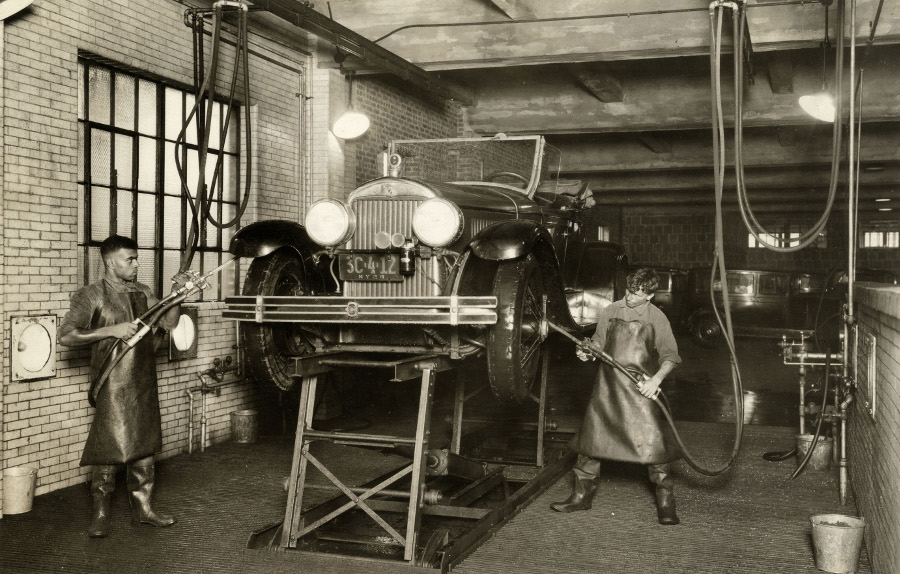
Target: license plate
(370,267)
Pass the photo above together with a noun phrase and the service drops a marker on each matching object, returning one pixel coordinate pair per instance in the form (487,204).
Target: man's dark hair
(643,279)
(115,242)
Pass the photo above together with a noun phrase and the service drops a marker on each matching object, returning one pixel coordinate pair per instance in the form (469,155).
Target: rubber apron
(126,423)
(620,423)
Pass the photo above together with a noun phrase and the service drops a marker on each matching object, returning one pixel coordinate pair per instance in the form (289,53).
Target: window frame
(163,249)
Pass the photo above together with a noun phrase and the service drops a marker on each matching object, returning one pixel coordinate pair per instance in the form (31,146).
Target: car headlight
(330,222)
(438,222)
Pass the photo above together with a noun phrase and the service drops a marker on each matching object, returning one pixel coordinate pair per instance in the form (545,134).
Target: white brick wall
(45,422)
(295,160)
(874,442)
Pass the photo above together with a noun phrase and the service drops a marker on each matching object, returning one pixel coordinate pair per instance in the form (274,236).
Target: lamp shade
(351,124)
(819,105)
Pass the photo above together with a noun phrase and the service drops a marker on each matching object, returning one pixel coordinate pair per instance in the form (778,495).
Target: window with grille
(785,234)
(885,239)
(129,183)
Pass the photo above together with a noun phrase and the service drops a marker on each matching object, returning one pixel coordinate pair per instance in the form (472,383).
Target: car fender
(513,239)
(508,239)
(263,238)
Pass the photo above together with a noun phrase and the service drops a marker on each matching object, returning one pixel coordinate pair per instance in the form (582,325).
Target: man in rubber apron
(126,427)
(622,422)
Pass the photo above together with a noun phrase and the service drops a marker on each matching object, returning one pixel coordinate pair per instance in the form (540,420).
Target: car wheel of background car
(268,347)
(706,331)
(514,343)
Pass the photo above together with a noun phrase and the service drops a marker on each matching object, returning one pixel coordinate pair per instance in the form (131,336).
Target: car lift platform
(423,516)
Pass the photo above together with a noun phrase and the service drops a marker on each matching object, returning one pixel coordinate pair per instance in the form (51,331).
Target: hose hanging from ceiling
(201,203)
(753,225)
(718,127)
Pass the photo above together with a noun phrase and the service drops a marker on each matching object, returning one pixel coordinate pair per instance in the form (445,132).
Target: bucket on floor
(18,489)
(838,541)
(820,461)
(244,425)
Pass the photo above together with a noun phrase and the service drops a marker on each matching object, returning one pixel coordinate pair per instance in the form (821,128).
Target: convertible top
(565,193)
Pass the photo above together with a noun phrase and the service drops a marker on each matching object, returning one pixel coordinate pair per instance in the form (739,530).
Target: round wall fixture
(33,347)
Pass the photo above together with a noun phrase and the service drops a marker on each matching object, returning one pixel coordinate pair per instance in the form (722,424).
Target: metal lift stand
(439,548)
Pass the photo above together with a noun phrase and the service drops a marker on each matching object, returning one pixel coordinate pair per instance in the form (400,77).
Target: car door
(599,280)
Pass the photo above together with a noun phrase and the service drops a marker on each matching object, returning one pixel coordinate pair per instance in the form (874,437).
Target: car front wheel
(269,348)
(514,344)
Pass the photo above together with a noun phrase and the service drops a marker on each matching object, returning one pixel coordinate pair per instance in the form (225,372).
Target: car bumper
(448,310)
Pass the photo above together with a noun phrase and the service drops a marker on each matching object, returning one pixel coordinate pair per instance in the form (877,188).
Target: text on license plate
(370,267)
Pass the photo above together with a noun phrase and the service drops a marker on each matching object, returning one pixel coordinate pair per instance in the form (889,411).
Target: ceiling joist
(302,15)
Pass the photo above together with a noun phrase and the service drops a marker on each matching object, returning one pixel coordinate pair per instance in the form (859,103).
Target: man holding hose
(622,422)
(126,427)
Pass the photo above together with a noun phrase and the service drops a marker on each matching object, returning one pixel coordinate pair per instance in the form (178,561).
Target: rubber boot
(665,494)
(582,497)
(140,489)
(103,483)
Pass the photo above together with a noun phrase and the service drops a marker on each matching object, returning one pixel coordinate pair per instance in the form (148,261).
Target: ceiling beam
(549,100)
(515,9)
(604,86)
(880,143)
(781,72)
(463,34)
(302,15)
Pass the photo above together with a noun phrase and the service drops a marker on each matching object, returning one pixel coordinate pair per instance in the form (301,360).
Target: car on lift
(464,248)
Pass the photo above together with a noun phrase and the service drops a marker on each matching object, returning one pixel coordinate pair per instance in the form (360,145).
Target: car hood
(486,197)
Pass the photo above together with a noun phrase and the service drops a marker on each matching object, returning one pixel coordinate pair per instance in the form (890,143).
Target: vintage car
(773,303)
(760,302)
(465,248)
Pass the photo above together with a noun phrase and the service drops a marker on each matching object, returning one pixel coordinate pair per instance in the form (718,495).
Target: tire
(269,348)
(706,331)
(514,344)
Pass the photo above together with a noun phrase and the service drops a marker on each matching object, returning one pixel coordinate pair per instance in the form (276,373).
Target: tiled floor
(752,519)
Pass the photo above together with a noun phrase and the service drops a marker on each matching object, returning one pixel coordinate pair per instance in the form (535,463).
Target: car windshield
(521,163)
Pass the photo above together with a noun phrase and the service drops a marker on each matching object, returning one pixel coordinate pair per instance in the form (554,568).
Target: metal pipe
(843,481)
(851,255)
(803,398)
(190,395)
(203,389)
(428,497)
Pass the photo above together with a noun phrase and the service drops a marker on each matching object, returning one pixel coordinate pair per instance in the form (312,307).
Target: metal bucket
(18,489)
(838,541)
(244,426)
(820,461)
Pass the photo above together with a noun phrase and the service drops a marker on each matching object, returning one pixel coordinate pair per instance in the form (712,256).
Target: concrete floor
(751,519)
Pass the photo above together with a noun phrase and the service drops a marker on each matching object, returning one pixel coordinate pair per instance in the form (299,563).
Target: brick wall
(686,239)
(45,422)
(396,116)
(295,160)
(874,440)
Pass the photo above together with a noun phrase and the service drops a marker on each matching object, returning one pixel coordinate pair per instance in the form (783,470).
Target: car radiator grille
(391,216)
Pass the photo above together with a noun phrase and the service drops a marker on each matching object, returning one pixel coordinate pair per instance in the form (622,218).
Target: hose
(753,225)
(148,320)
(200,205)
(587,345)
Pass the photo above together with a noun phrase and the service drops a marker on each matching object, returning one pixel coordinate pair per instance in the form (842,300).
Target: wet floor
(701,389)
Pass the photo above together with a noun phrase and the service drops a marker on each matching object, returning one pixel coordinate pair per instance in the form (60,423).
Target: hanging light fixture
(350,124)
(820,105)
